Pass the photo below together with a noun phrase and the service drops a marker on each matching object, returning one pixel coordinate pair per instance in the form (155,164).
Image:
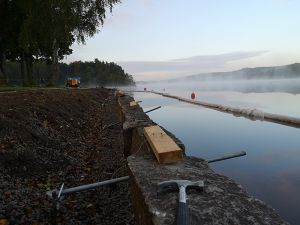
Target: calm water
(271,169)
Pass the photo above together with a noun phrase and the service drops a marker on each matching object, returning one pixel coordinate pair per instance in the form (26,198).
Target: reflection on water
(271,169)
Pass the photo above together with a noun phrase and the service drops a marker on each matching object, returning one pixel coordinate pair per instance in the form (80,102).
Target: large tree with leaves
(46,29)
(12,17)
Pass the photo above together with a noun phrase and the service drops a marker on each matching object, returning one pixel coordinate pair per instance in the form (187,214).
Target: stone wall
(222,201)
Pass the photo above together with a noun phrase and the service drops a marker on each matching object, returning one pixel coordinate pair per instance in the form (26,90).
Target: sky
(162,39)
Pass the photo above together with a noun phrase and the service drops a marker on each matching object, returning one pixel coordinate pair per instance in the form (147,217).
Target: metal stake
(233,155)
(63,192)
(153,109)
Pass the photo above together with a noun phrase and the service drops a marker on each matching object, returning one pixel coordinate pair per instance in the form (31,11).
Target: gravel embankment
(50,137)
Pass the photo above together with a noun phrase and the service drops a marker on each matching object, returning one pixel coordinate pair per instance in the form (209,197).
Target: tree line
(91,73)
(39,33)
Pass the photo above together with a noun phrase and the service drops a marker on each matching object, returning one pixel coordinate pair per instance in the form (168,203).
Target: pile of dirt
(49,137)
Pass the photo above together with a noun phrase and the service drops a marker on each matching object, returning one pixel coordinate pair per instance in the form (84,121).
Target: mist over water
(245,86)
(280,96)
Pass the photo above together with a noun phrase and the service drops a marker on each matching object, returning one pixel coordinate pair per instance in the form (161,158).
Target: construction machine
(73,82)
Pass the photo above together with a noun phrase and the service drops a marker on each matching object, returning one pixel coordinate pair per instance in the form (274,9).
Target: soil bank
(49,137)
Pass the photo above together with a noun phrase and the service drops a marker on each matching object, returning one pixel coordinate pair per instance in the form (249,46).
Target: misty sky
(160,39)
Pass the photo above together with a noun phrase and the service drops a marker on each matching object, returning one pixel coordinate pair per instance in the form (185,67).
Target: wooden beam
(163,146)
(119,93)
(132,104)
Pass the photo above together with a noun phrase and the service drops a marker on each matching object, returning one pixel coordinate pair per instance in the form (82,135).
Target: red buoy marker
(193,95)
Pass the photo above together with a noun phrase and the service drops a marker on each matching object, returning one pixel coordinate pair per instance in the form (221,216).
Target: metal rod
(60,191)
(153,109)
(233,155)
(94,185)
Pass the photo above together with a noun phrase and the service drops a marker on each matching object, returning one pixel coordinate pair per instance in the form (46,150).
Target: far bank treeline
(35,35)
(91,73)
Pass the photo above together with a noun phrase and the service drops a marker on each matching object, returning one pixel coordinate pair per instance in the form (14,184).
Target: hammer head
(172,185)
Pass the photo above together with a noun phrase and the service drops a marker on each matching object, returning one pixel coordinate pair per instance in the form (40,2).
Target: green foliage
(91,73)
(100,73)
(34,30)
(36,26)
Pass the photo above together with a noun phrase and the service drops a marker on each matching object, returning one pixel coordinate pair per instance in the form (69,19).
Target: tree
(70,20)
(12,17)
(92,73)
(46,29)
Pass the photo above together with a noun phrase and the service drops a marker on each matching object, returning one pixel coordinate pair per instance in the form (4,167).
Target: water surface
(271,169)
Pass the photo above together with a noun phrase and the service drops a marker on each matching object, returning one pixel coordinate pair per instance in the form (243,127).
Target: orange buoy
(193,95)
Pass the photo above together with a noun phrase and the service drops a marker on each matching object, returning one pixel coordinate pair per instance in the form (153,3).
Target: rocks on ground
(50,137)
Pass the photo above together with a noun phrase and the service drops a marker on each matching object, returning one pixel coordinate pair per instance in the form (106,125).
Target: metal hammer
(182,215)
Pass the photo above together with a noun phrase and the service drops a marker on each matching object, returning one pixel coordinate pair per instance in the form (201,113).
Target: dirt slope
(48,137)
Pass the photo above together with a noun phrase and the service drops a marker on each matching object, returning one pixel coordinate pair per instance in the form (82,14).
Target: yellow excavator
(73,82)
